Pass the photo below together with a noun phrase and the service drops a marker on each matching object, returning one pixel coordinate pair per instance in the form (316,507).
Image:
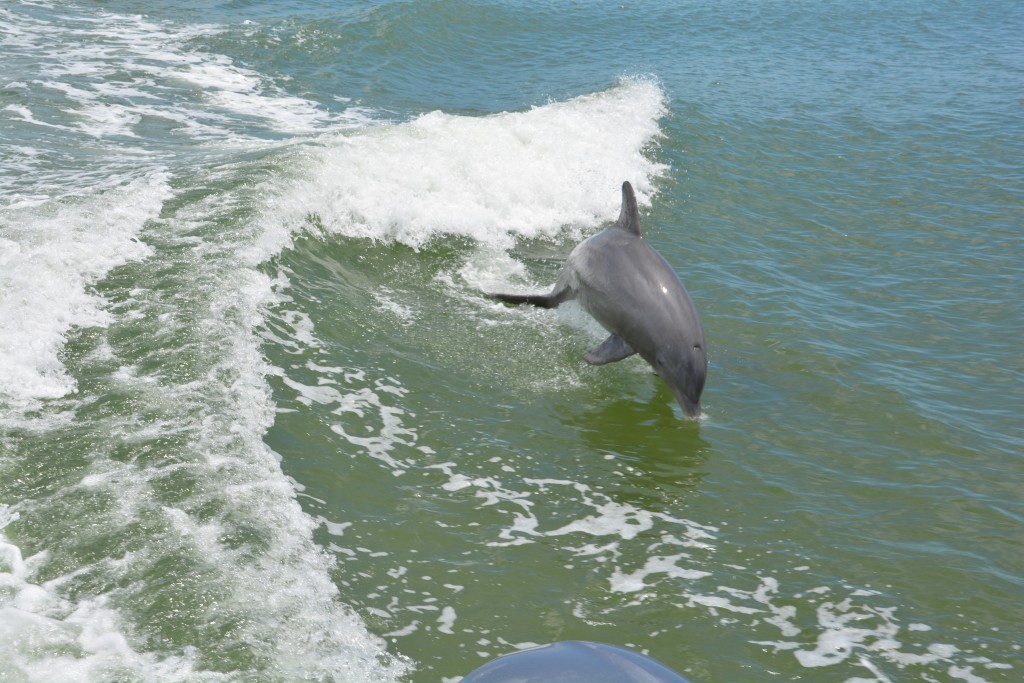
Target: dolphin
(572,661)
(628,287)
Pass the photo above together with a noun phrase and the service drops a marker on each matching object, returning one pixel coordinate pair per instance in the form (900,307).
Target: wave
(146,529)
(492,179)
(50,256)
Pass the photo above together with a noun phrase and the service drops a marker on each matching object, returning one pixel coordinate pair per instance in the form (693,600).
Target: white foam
(493,178)
(101,120)
(447,620)
(368,404)
(965,673)
(207,95)
(50,256)
(111,72)
(34,617)
(821,628)
(851,629)
(26,115)
(386,302)
(635,581)
(53,251)
(367,409)
(621,519)
(613,522)
(299,626)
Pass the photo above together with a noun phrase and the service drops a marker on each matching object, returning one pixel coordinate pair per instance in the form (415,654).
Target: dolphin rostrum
(635,294)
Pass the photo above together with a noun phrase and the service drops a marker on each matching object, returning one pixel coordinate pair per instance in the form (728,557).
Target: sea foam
(50,258)
(491,179)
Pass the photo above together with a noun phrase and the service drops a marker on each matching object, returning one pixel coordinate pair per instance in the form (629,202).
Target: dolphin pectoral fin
(612,349)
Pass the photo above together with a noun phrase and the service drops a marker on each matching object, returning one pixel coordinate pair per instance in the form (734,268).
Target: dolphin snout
(690,406)
(685,376)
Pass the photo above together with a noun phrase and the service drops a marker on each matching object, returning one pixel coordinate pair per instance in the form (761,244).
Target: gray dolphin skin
(635,294)
(574,661)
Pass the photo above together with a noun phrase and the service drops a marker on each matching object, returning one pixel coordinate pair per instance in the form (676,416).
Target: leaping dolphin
(635,294)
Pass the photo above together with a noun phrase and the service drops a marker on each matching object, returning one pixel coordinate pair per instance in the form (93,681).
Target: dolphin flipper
(612,349)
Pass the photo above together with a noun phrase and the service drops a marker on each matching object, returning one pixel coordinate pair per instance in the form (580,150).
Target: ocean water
(258,423)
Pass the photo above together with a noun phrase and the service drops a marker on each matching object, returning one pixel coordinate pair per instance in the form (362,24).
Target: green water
(259,423)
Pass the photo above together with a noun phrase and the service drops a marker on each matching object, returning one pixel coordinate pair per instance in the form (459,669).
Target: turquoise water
(258,423)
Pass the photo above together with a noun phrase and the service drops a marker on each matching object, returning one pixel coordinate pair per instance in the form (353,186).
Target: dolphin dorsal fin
(629,214)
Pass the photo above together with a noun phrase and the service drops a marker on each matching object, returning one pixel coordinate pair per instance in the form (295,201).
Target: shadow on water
(649,435)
